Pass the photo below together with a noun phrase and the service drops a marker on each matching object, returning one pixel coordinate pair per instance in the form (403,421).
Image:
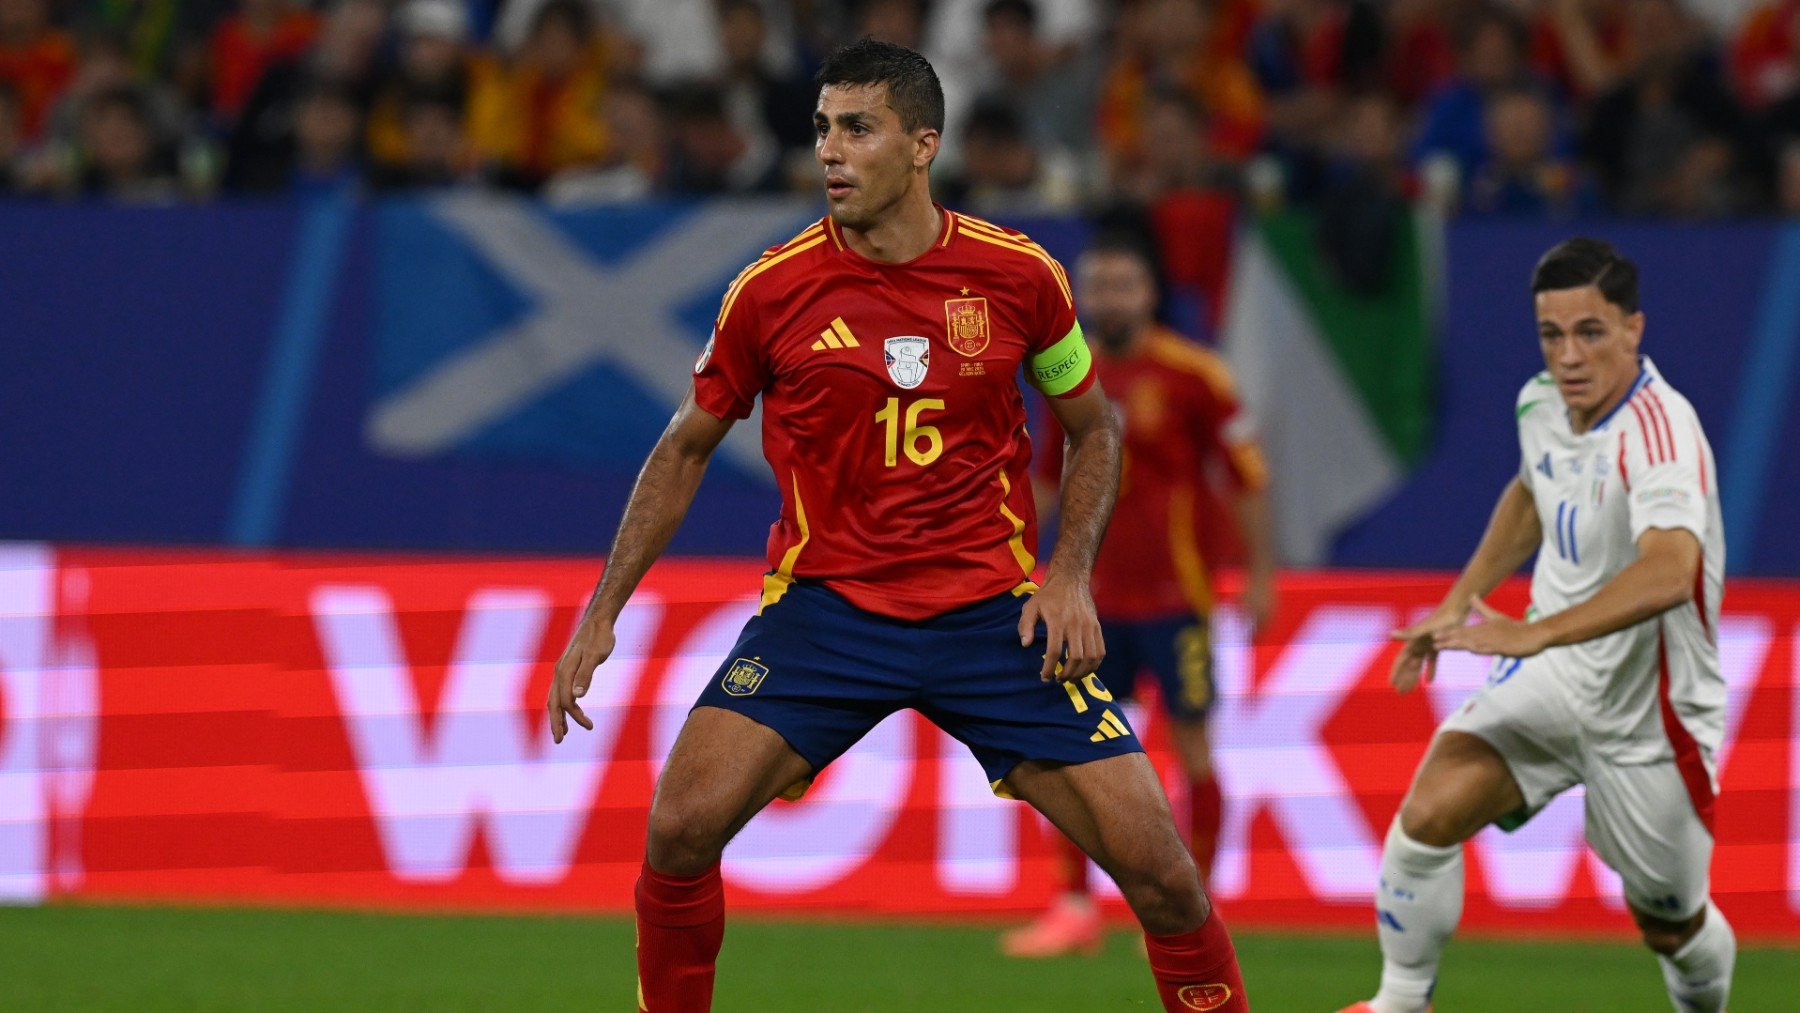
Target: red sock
(680,925)
(1198,970)
(1072,865)
(1205,808)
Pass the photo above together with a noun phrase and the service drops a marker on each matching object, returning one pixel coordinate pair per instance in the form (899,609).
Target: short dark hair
(1580,262)
(913,90)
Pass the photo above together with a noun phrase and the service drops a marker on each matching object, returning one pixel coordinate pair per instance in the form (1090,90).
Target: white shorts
(1641,818)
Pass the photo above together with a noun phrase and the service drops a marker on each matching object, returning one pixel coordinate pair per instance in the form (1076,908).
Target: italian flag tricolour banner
(1336,359)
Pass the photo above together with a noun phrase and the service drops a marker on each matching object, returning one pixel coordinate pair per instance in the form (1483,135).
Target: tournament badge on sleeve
(907,357)
(967,320)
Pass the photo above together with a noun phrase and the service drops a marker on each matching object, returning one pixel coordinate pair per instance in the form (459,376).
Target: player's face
(1590,347)
(870,163)
(1118,297)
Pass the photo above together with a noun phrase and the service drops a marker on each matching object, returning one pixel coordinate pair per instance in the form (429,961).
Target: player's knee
(1666,937)
(682,842)
(1432,822)
(1165,894)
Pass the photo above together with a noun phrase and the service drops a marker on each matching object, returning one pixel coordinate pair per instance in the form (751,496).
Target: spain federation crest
(967,321)
(743,677)
(907,357)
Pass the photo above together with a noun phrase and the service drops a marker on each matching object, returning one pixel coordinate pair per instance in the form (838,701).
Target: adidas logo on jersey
(836,336)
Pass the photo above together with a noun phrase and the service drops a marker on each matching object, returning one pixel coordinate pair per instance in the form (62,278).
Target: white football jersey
(1653,691)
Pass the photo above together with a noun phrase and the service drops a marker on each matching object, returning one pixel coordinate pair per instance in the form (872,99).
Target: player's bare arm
(1252,511)
(1090,484)
(659,500)
(1512,535)
(1662,578)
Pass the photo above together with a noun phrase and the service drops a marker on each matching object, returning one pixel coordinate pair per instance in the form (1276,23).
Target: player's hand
(1072,643)
(591,645)
(1497,633)
(1417,660)
(1258,602)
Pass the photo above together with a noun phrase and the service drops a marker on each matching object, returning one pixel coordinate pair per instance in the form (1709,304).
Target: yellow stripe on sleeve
(744,279)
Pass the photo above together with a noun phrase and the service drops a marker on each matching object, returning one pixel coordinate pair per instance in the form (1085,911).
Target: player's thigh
(1642,823)
(1114,809)
(723,769)
(1500,757)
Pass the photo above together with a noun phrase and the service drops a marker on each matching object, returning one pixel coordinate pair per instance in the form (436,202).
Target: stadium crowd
(1537,107)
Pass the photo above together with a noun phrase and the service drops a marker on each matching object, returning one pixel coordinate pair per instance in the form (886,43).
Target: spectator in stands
(542,113)
(166,40)
(1169,45)
(1049,87)
(1523,174)
(1491,56)
(1584,45)
(105,65)
(772,111)
(1419,46)
(635,166)
(898,21)
(1366,203)
(121,157)
(1305,54)
(437,148)
(36,60)
(261,146)
(709,155)
(12,142)
(245,44)
(1765,58)
(328,138)
(434,59)
(1182,195)
(1003,172)
(1669,139)
(1787,180)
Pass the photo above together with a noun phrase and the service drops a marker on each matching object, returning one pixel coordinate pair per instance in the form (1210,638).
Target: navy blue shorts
(1177,650)
(822,672)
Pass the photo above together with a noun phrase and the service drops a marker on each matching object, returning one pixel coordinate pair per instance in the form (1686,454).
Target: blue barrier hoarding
(472,372)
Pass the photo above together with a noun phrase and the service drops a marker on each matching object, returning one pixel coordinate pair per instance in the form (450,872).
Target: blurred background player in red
(1190,457)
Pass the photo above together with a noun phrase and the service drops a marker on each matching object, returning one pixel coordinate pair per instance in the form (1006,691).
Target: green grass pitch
(120,958)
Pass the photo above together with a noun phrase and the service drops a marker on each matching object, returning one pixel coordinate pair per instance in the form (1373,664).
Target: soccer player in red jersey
(884,342)
(1187,441)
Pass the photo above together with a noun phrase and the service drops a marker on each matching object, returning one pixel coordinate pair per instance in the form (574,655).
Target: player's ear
(1634,328)
(925,147)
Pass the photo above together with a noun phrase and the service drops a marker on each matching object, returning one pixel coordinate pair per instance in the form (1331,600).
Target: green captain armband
(1061,367)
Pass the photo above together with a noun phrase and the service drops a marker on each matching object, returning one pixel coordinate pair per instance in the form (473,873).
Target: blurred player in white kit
(1612,678)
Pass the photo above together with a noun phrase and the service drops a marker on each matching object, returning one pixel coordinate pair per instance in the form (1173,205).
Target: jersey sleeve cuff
(719,404)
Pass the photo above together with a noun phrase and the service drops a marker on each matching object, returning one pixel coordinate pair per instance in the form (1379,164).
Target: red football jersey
(892,415)
(1186,440)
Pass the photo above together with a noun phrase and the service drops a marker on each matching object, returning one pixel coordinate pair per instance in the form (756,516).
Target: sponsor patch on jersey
(967,323)
(743,677)
(1205,997)
(907,357)
(705,356)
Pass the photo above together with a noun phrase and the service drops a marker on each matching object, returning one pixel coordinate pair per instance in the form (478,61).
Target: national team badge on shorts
(1205,997)
(744,675)
(967,320)
(907,357)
